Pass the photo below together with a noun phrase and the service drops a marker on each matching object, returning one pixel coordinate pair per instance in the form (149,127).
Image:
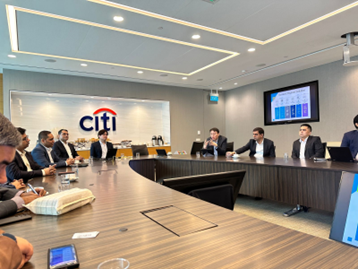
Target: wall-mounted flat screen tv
(293,104)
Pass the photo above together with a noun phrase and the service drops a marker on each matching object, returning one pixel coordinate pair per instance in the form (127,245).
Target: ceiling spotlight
(118,18)
(244,71)
(220,88)
(251,49)
(11,56)
(235,83)
(140,72)
(142,100)
(84,65)
(184,78)
(196,36)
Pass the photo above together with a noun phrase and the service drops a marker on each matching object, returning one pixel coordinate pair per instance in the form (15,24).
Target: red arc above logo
(104,109)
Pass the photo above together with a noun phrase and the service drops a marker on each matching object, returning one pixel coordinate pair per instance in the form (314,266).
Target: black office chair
(196,146)
(221,195)
(230,146)
(142,149)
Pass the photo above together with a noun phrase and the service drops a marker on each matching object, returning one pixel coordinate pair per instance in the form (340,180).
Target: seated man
(23,166)
(14,251)
(350,139)
(65,150)
(258,146)
(307,146)
(43,153)
(216,144)
(100,148)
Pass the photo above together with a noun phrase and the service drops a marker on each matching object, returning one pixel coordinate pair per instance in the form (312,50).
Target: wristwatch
(9,235)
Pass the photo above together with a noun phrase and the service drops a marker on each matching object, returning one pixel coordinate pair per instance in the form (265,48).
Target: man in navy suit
(43,153)
(100,148)
(307,146)
(65,150)
(216,144)
(350,139)
(258,146)
(23,166)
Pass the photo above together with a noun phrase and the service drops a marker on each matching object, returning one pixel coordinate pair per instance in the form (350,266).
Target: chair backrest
(230,146)
(142,149)
(324,144)
(196,146)
(221,195)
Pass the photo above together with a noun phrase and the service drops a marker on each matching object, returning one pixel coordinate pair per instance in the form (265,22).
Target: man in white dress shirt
(65,150)
(23,166)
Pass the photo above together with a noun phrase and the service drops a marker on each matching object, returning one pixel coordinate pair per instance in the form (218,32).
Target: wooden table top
(238,241)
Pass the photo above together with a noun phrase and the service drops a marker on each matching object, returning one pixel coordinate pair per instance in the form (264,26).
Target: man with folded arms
(258,146)
(307,146)
(44,155)
(65,150)
(14,251)
(23,166)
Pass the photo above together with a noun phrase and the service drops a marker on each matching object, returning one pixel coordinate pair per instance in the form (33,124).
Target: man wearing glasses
(23,166)
(65,150)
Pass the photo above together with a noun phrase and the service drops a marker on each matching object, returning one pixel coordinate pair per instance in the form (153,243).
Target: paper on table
(85,235)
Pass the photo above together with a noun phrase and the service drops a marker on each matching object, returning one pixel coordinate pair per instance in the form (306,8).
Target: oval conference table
(167,229)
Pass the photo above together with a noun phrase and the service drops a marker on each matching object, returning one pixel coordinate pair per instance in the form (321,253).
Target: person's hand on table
(229,153)
(79,158)
(26,249)
(28,197)
(50,170)
(70,161)
(18,183)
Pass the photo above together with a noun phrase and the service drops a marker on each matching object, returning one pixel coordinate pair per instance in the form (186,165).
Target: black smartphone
(63,257)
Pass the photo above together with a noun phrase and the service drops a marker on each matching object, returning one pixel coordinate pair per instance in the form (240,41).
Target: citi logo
(88,120)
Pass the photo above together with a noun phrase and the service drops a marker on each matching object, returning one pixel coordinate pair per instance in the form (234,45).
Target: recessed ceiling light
(50,60)
(184,78)
(251,49)
(244,71)
(50,94)
(235,83)
(118,18)
(143,100)
(220,88)
(196,36)
(84,65)
(140,72)
(11,56)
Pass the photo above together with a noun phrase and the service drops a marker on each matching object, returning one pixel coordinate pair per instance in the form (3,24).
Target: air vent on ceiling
(211,1)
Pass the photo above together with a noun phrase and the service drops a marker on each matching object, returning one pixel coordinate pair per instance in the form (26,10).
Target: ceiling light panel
(240,26)
(67,27)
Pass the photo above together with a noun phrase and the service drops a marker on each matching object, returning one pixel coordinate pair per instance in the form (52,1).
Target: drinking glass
(118,263)
(198,154)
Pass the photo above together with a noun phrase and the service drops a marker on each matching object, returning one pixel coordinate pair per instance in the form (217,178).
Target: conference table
(153,226)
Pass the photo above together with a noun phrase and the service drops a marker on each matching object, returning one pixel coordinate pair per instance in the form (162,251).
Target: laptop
(340,154)
(111,153)
(161,152)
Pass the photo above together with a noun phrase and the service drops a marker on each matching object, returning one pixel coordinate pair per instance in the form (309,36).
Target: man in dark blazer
(307,146)
(43,153)
(350,139)
(23,166)
(258,146)
(101,148)
(216,144)
(15,251)
(65,150)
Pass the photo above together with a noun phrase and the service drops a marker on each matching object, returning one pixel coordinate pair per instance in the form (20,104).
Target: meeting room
(178,134)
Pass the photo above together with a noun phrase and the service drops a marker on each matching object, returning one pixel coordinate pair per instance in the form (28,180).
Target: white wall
(136,120)
(338,104)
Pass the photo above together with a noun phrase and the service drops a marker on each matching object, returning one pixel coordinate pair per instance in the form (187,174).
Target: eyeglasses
(25,138)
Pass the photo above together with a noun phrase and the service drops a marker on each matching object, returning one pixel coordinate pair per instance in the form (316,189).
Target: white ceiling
(168,47)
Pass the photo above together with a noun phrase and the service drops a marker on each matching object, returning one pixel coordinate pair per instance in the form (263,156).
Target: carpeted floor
(315,222)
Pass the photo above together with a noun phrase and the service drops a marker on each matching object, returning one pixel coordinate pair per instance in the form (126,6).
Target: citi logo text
(88,120)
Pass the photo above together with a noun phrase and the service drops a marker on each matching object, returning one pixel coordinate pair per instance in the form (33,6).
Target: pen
(32,188)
